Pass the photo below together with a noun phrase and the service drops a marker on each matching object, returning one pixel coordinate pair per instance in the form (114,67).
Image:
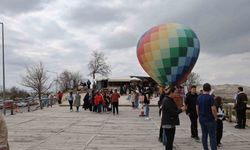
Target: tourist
(241,107)
(136,99)
(115,101)
(207,114)
(3,134)
(98,102)
(59,96)
(77,101)
(88,84)
(160,102)
(170,118)
(220,115)
(146,106)
(70,99)
(106,101)
(190,102)
(133,95)
(86,101)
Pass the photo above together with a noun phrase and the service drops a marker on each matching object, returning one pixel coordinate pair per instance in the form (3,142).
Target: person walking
(70,100)
(207,114)
(115,101)
(3,134)
(220,115)
(86,101)
(241,107)
(77,101)
(190,103)
(170,118)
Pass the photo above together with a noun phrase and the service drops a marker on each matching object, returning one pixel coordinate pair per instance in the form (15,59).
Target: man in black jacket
(241,107)
(170,118)
(190,102)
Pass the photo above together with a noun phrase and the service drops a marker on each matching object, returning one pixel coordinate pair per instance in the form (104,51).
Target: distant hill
(228,90)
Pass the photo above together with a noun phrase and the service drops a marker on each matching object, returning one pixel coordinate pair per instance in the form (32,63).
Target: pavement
(57,128)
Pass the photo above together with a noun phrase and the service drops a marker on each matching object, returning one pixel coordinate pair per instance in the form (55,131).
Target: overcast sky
(62,34)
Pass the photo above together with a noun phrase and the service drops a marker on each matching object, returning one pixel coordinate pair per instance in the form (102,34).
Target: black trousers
(241,116)
(115,107)
(194,124)
(219,131)
(71,105)
(160,133)
(170,133)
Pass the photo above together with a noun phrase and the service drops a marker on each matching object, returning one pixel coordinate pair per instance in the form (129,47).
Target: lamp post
(56,78)
(4,110)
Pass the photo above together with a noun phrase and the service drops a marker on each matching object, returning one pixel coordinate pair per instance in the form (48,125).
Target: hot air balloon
(168,53)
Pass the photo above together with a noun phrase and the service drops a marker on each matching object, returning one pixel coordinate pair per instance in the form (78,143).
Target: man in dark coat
(190,102)
(241,107)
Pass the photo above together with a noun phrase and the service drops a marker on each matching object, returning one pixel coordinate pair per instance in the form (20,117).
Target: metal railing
(26,105)
(231,113)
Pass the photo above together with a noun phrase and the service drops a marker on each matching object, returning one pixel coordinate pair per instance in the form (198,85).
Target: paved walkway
(59,129)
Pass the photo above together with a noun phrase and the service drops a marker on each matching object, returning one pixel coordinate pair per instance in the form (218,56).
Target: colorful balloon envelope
(168,53)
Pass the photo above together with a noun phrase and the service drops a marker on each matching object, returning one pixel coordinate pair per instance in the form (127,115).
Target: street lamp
(56,78)
(4,110)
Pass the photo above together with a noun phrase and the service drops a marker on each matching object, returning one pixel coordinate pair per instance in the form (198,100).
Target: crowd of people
(97,101)
(205,107)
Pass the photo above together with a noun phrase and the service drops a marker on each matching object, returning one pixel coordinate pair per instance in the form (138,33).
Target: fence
(26,105)
(231,113)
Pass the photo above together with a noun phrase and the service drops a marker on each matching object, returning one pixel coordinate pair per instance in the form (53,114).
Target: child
(221,115)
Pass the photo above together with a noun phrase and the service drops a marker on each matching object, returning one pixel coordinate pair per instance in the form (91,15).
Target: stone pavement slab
(59,129)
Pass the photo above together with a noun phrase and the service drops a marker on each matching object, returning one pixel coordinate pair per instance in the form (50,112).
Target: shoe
(160,140)
(237,127)
(197,138)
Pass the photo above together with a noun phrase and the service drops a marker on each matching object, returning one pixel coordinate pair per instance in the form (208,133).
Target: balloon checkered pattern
(168,53)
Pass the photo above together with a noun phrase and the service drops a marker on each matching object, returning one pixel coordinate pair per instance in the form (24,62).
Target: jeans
(169,133)
(136,103)
(115,107)
(99,108)
(209,128)
(146,110)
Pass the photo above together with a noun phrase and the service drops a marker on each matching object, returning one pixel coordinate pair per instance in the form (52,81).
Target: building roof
(121,79)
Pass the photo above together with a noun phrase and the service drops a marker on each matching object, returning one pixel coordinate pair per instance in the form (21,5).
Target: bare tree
(98,65)
(36,79)
(64,80)
(193,79)
(76,79)
(68,80)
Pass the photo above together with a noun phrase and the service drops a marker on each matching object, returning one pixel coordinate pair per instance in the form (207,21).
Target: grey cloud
(94,14)
(14,7)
